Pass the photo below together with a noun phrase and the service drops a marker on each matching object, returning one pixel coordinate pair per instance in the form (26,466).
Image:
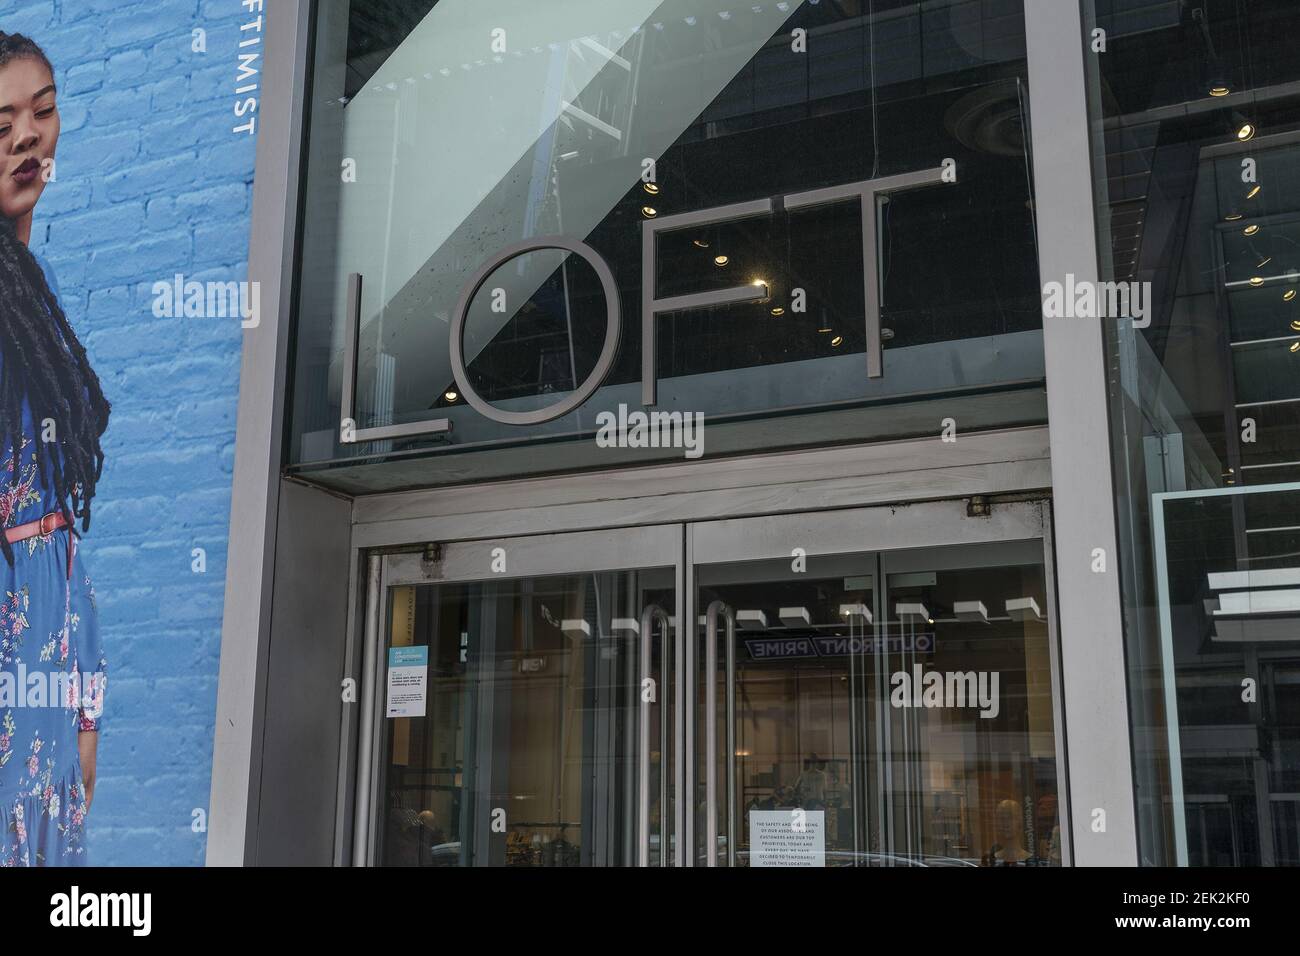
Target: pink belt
(46,524)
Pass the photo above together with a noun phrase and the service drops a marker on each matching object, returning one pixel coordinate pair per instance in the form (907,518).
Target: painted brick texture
(151,182)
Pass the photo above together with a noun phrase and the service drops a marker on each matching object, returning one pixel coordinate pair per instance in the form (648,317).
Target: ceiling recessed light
(1295,346)
(1220,89)
(835,343)
(1295,324)
(1253,192)
(450,395)
(778,311)
(1256,281)
(1265,261)
(1232,216)
(702,243)
(649,211)
(1250,230)
(651,188)
(1246,132)
(824,330)
(721,260)
(1287,296)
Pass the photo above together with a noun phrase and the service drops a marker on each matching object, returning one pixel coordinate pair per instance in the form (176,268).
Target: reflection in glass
(527,753)
(823,724)
(600,115)
(1195,117)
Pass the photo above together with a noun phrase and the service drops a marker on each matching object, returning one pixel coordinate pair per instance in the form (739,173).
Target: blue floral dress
(52,672)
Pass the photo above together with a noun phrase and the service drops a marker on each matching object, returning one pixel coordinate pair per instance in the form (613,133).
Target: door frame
(655,546)
(998,466)
(887,530)
(875,529)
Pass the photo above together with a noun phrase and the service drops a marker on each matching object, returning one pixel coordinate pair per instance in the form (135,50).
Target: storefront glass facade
(1196,127)
(826,209)
(846,623)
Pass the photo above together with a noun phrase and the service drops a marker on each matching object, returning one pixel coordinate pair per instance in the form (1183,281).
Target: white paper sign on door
(787,837)
(408,673)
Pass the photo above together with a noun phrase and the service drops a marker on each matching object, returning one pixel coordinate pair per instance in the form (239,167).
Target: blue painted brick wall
(151,181)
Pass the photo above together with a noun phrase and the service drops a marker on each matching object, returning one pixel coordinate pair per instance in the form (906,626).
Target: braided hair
(45,364)
(15,46)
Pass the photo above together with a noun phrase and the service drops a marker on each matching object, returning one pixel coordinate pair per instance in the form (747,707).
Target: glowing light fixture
(1232,216)
(1219,87)
(1250,230)
(1287,296)
(837,341)
(1295,346)
(450,395)
(721,260)
(1246,132)
(702,243)
(649,211)
(1254,191)
(778,311)
(1295,324)
(651,188)
(1256,281)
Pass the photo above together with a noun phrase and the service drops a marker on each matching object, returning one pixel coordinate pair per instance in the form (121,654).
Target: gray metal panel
(925,525)
(614,550)
(305,664)
(1092,645)
(978,464)
(236,746)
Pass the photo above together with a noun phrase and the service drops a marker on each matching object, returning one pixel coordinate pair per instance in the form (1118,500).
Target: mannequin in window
(811,785)
(1009,850)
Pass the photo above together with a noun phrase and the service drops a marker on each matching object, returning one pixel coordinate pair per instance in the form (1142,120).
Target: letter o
(603,364)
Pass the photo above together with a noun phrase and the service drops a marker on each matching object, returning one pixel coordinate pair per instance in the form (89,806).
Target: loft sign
(868,193)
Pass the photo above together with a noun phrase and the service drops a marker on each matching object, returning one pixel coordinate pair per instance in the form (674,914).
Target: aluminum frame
(1090,604)
(888,472)
(1169,676)
(254,495)
(886,533)
(459,562)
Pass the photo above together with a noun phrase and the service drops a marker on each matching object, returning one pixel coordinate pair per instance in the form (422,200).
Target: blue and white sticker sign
(408,681)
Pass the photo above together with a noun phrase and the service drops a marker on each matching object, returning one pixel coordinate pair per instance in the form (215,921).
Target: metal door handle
(653,614)
(711,731)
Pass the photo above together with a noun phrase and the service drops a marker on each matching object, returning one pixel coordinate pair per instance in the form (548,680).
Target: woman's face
(29,133)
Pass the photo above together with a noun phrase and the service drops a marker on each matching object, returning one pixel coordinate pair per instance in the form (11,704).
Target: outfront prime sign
(868,193)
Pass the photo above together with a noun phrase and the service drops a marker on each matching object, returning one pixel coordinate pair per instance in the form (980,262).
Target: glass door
(520,703)
(877,688)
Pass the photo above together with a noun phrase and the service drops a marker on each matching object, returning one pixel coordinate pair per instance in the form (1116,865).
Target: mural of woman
(52,414)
